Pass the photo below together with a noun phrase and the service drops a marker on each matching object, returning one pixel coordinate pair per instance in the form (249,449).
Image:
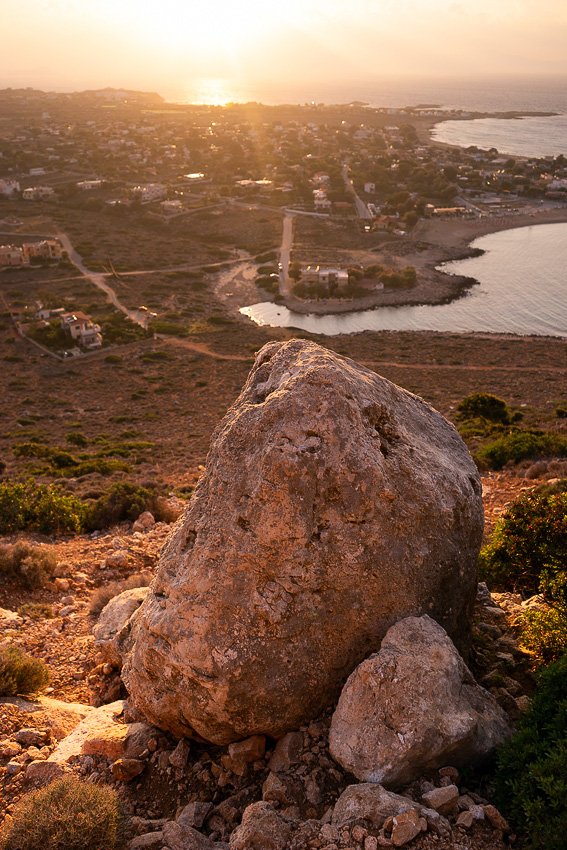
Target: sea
(522,277)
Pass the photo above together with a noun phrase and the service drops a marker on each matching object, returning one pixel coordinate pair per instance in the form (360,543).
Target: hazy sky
(181,48)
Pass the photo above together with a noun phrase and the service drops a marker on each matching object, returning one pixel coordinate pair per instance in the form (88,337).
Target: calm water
(518,137)
(522,290)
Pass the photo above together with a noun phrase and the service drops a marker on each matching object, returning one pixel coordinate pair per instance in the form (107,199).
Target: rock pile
(333,505)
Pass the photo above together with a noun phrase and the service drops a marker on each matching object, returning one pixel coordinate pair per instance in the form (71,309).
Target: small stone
(13,767)
(443,800)
(287,752)
(117,559)
(180,754)
(370,843)
(405,828)
(44,772)
(62,584)
(9,749)
(523,703)
(242,753)
(30,737)
(144,522)
(477,812)
(465,819)
(495,818)
(195,814)
(127,769)
(358,834)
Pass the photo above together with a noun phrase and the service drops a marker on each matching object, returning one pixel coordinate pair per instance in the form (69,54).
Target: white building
(89,185)
(37,193)
(9,187)
(149,192)
(82,329)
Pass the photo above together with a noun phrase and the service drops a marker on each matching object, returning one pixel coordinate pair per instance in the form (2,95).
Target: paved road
(361,208)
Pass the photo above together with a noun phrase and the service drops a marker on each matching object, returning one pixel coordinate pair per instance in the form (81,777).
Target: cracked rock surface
(333,504)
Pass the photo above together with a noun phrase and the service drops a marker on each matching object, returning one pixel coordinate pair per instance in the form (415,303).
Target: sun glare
(202,29)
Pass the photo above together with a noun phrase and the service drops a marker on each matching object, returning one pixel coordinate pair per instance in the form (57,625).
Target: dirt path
(203,348)
(99,280)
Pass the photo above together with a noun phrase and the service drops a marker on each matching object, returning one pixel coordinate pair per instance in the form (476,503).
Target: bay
(522,289)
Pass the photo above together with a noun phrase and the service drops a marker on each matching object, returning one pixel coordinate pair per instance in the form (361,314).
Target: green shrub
(530,783)
(527,550)
(27,506)
(526,554)
(520,445)
(31,565)
(122,501)
(543,632)
(20,673)
(485,406)
(68,814)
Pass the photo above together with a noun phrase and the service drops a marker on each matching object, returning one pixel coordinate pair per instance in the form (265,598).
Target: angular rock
(406,826)
(124,770)
(144,522)
(195,814)
(29,737)
(59,717)
(333,504)
(370,802)
(113,625)
(179,837)
(180,754)
(444,800)
(100,733)
(287,752)
(373,803)
(262,828)
(412,707)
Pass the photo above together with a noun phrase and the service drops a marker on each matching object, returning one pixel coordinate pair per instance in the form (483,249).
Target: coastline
(432,243)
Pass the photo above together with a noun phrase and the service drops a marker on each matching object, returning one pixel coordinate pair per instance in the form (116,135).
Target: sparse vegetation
(27,563)
(68,814)
(20,673)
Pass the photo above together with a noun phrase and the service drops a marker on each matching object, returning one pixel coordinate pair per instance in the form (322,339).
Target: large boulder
(333,504)
(412,707)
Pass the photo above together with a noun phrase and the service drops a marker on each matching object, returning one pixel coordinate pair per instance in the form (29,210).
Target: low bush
(37,611)
(520,445)
(484,406)
(28,564)
(68,814)
(526,554)
(122,502)
(530,783)
(527,549)
(27,506)
(20,673)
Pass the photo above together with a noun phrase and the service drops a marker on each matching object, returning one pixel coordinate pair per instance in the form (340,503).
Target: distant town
(89,181)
